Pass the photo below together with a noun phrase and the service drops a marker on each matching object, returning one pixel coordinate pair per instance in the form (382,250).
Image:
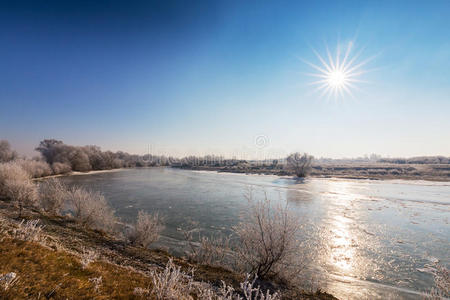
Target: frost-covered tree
(6,154)
(299,163)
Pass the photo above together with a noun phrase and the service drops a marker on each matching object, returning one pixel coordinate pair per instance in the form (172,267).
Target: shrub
(91,209)
(22,193)
(299,163)
(9,171)
(35,168)
(16,185)
(61,168)
(254,292)
(52,194)
(147,229)
(267,236)
(171,283)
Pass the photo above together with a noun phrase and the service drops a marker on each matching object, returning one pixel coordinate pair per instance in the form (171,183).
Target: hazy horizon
(226,77)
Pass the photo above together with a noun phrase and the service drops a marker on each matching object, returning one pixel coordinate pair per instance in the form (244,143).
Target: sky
(226,77)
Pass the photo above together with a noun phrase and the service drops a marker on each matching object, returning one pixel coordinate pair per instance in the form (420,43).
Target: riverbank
(77,173)
(373,171)
(65,259)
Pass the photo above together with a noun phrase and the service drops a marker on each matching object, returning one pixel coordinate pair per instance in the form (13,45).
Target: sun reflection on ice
(342,250)
(342,241)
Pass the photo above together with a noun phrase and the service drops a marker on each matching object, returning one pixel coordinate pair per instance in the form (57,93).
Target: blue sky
(194,77)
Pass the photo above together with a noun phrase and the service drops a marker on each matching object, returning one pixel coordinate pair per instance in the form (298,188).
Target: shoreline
(78,173)
(351,173)
(315,174)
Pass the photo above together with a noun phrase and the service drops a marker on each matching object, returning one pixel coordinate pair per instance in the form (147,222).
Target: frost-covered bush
(61,168)
(267,234)
(17,186)
(36,168)
(52,194)
(91,209)
(171,283)
(147,229)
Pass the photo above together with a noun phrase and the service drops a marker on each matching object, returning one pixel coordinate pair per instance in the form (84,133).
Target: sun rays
(338,74)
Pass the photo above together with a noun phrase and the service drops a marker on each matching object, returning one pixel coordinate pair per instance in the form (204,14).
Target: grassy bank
(68,261)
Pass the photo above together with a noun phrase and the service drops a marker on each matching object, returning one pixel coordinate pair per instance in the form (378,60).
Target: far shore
(350,171)
(341,171)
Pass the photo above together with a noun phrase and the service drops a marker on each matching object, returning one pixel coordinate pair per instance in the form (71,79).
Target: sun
(336,78)
(339,74)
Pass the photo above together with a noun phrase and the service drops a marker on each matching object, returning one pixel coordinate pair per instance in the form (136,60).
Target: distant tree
(299,163)
(274,163)
(6,154)
(80,160)
(61,168)
(49,149)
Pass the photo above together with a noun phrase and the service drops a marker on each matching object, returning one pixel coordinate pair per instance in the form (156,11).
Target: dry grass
(45,273)
(213,251)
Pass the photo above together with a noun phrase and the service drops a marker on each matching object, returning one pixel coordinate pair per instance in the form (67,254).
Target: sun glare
(339,75)
(336,78)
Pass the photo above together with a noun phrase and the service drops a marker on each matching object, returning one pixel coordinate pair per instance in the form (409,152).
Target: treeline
(59,158)
(417,160)
(87,158)
(56,157)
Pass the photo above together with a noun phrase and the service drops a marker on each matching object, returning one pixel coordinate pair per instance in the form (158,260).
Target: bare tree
(147,229)
(268,237)
(300,163)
